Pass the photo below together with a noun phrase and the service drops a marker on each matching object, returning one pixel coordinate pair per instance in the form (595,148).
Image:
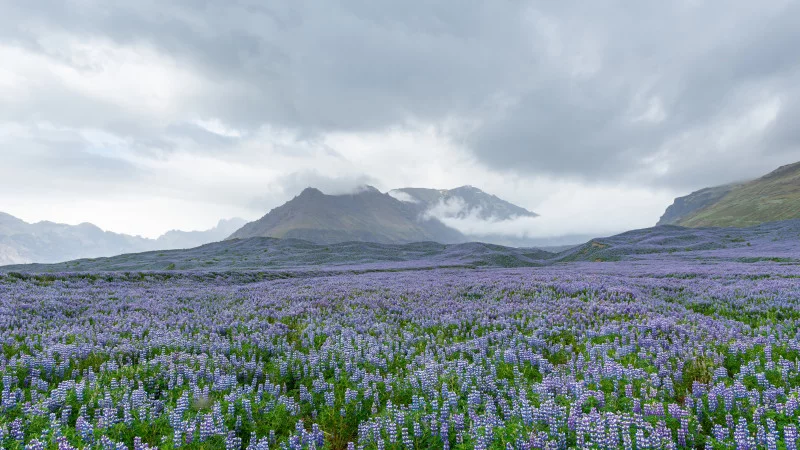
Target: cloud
(346,184)
(235,106)
(287,186)
(564,213)
(456,213)
(45,158)
(316,67)
(402,196)
(589,92)
(449,207)
(457,208)
(653,94)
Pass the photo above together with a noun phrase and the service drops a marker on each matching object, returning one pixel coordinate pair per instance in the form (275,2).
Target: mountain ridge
(366,214)
(49,242)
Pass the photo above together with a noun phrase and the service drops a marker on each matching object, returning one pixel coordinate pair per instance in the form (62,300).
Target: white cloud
(568,210)
(191,190)
(456,207)
(402,196)
(135,78)
(216,126)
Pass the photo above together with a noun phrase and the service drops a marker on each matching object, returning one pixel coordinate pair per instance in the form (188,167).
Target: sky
(142,116)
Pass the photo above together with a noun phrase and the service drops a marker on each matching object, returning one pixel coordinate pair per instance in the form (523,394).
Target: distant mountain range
(773,197)
(368,215)
(48,242)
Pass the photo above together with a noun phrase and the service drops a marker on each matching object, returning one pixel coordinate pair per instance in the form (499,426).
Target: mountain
(366,215)
(773,197)
(461,202)
(399,216)
(189,239)
(48,242)
(22,242)
(469,204)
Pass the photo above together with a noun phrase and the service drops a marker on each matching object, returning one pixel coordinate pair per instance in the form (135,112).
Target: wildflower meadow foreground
(585,355)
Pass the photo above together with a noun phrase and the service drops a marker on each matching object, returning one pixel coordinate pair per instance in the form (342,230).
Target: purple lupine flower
(34,444)
(232,442)
(741,436)
(790,437)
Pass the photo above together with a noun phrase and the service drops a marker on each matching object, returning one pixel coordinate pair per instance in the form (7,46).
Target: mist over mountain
(48,242)
(461,202)
(398,216)
(773,197)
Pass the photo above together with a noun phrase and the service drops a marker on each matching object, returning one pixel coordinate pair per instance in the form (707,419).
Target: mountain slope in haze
(366,215)
(480,216)
(175,239)
(775,242)
(271,254)
(399,216)
(22,242)
(48,242)
(462,202)
(773,197)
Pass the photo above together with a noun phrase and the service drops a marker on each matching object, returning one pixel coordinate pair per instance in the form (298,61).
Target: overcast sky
(142,116)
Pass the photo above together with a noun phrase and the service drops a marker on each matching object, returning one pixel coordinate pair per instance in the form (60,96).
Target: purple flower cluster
(637,355)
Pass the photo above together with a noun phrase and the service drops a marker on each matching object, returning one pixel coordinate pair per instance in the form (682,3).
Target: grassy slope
(771,198)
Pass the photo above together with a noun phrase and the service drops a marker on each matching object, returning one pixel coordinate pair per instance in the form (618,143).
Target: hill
(773,197)
(778,242)
(260,253)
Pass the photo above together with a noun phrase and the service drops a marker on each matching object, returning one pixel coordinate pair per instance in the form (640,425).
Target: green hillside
(770,198)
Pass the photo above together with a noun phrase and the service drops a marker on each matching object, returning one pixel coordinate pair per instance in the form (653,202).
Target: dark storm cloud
(708,67)
(315,65)
(650,92)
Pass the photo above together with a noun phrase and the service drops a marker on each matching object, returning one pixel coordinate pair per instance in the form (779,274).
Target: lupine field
(644,355)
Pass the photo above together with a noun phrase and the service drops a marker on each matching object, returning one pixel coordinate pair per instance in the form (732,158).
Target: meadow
(635,355)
